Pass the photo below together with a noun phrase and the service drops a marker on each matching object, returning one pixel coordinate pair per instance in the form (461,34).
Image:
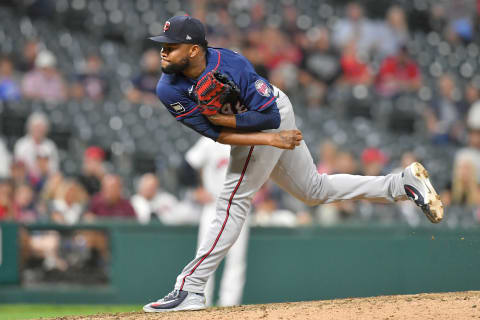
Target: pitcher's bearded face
(171,67)
(174,58)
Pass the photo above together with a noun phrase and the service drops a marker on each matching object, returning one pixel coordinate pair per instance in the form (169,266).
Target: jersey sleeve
(199,123)
(256,92)
(175,101)
(186,111)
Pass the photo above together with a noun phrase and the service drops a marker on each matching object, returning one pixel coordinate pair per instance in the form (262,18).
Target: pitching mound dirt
(438,306)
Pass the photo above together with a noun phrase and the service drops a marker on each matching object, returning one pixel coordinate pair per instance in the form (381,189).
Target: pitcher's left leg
(296,173)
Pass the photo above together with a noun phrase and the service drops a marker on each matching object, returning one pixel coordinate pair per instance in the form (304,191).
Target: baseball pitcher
(217,93)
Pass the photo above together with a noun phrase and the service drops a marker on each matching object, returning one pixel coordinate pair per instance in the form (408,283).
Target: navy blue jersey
(176,91)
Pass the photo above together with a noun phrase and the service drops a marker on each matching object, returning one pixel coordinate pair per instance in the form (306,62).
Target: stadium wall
(283,264)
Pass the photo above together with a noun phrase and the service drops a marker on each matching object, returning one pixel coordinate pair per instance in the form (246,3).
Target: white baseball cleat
(420,190)
(177,300)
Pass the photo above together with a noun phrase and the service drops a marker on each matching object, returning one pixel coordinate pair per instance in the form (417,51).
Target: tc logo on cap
(166,26)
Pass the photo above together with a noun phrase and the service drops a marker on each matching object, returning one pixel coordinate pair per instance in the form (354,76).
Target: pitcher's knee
(314,191)
(311,200)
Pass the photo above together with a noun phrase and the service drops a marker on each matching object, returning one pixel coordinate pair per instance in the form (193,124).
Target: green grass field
(36,311)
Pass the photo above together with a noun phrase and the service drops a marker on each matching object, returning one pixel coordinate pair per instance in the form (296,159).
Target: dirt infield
(438,306)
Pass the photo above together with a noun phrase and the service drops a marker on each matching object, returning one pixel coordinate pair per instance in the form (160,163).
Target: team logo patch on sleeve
(262,88)
(177,107)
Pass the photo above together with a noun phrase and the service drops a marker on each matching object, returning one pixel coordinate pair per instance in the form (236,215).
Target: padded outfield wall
(283,264)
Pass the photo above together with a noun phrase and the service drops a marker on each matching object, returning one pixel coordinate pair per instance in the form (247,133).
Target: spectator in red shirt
(398,74)
(277,50)
(374,161)
(110,202)
(355,69)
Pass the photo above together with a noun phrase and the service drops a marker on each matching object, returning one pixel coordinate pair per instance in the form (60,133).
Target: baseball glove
(214,91)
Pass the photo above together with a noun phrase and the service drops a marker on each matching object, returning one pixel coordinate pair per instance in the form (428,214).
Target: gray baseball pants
(235,269)
(295,172)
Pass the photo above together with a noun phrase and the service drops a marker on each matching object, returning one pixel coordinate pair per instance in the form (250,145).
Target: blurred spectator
(6,200)
(24,206)
(110,202)
(249,50)
(321,60)
(374,161)
(472,151)
(461,15)
(443,116)
(266,209)
(90,83)
(39,178)
(48,193)
(144,85)
(34,142)
(289,25)
(5,160)
(52,186)
(373,164)
(150,201)
(327,152)
(398,74)
(470,96)
(253,39)
(93,169)
(454,19)
(221,31)
(284,77)
(355,68)
(333,213)
(69,203)
(394,33)
(39,8)
(452,37)
(9,88)
(437,17)
(320,67)
(18,173)
(44,82)
(258,15)
(345,163)
(406,159)
(355,27)
(465,187)
(26,61)
(278,51)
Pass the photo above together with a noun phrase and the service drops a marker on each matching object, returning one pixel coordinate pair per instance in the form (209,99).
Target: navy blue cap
(182,29)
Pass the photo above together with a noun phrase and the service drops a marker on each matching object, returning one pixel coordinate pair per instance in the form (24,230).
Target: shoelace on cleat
(172,295)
